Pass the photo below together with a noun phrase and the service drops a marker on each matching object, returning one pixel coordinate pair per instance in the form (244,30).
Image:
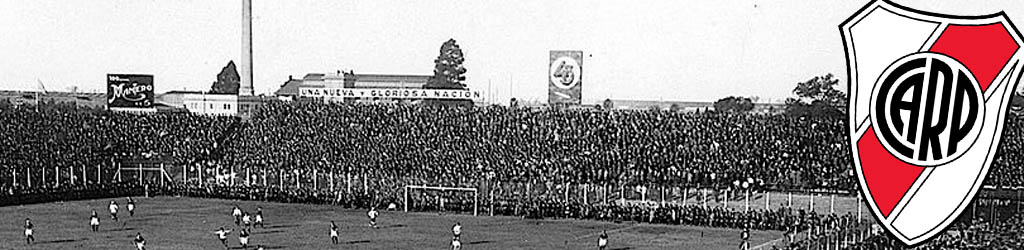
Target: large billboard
(392,93)
(565,77)
(129,91)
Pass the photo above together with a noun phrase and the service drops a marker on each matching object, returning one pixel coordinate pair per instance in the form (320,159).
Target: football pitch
(189,223)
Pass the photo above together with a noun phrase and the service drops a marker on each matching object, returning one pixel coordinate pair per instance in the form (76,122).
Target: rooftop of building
(363,77)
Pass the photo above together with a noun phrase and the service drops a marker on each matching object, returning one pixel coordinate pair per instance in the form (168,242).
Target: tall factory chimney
(246,88)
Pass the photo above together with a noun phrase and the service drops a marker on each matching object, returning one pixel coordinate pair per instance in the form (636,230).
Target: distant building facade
(313,82)
(205,103)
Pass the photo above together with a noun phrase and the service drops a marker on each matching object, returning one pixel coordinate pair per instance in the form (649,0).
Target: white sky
(659,49)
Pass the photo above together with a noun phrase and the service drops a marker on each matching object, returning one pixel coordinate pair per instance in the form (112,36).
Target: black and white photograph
(464,125)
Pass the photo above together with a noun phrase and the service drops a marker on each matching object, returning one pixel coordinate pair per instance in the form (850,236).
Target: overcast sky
(654,50)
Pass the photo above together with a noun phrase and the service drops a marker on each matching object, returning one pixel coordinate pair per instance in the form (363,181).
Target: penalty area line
(772,242)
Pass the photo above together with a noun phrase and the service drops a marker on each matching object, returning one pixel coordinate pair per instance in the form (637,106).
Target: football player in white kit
(243,238)
(456,244)
(246,220)
(373,217)
(222,235)
(131,207)
(602,242)
(140,243)
(334,232)
(259,217)
(237,213)
(28,232)
(94,221)
(457,231)
(113,210)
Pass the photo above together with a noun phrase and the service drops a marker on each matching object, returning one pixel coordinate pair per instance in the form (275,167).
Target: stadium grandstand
(649,166)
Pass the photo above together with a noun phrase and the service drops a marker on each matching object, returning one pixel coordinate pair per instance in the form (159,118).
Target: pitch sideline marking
(772,242)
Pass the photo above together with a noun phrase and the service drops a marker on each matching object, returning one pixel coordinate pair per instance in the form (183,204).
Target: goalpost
(139,170)
(474,191)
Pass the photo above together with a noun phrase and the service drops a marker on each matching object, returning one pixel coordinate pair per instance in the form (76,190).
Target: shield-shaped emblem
(928,94)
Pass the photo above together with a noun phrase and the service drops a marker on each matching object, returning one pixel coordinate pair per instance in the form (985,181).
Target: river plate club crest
(928,95)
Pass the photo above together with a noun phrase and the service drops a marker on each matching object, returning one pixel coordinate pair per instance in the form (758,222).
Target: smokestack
(246,88)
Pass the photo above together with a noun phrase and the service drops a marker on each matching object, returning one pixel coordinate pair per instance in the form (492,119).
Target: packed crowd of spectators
(397,145)
(274,194)
(58,138)
(975,235)
(1008,167)
(461,146)
(455,146)
(14,195)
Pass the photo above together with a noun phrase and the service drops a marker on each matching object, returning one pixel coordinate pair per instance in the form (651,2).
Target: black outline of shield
(1015,60)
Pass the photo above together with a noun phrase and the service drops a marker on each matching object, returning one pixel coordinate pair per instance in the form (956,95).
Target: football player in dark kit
(745,237)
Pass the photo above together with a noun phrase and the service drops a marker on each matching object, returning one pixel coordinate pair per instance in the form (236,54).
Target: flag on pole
(42,88)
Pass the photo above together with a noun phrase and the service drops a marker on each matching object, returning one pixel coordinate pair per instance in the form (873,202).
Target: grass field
(189,223)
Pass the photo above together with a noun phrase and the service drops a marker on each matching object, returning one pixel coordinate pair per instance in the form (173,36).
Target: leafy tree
(734,104)
(448,70)
(448,74)
(818,96)
(674,108)
(227,80)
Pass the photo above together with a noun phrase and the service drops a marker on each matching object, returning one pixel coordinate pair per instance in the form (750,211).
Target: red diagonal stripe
(888,178)
(984,49)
